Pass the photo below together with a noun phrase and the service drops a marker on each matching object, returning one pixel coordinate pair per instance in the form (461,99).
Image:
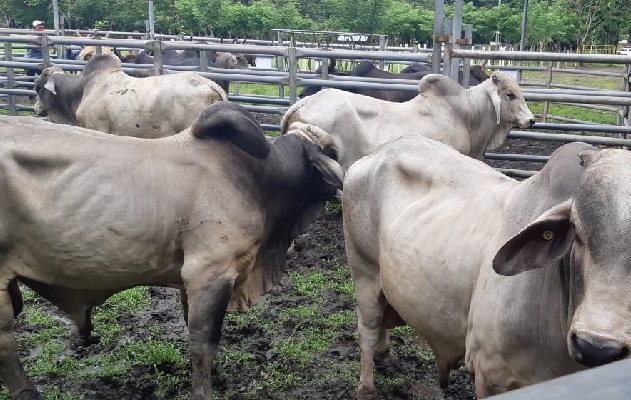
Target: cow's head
(508,101)
(45,89)
(231,61)
(592,229)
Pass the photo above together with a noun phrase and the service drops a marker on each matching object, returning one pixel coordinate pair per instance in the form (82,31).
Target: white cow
(426,228)
(470,120)
(106,99)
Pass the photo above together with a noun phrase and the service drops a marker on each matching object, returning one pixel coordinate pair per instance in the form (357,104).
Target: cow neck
(481,120)
(72,88)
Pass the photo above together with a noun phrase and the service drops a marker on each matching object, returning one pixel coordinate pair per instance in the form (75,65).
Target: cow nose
(593,355)
(532,122)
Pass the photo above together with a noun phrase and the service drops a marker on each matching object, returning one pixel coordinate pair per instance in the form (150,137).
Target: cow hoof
(366,393)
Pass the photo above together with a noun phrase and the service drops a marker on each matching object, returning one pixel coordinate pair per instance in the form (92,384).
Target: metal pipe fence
(287,76)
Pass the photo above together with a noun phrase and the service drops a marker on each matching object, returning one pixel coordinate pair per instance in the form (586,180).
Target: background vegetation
(552,24)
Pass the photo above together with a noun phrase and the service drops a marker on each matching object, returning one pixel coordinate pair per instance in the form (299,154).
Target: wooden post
(156,45)
(8,56)
(456,32)
(546,105)
(439,11)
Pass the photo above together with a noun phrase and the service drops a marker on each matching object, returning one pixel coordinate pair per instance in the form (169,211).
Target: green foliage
(550,22)
(333,207)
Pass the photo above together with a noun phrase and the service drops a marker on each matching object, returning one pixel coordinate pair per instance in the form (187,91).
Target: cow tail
(291,115)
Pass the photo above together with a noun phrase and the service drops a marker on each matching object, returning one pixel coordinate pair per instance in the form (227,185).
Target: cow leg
(373,337)
(11,370)
(16,297)
(184,301)
(207,303)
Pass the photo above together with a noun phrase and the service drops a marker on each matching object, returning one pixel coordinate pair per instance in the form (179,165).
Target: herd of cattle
(162,181)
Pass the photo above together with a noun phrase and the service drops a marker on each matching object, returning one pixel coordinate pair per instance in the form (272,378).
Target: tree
(587,14)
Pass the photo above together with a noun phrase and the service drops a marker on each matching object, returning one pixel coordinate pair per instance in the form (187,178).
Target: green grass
(572,111)
(49,351)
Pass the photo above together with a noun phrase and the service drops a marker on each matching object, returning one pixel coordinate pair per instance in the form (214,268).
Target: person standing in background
(34,51)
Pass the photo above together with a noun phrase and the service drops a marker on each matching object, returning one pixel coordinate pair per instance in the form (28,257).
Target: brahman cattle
(415,71)
(216,60)
(211,210)
(106,99)
(470,120)
(428,230)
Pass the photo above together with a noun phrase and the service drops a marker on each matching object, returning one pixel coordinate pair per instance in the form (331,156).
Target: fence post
(279,64)
(61,49)
(456,32)
(293,82)
(623,111)
(546,105)
(8,56)
(45,51)
(439,39)
(448,47)
(466,62)
(382,47)
(156,45)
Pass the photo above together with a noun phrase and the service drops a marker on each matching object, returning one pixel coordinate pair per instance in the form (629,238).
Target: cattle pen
(288,77)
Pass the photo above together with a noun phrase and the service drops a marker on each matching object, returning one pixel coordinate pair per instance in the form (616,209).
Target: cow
(428,231)
(211,211)
(217,60)
(470,120)
(415,71)
(106,99)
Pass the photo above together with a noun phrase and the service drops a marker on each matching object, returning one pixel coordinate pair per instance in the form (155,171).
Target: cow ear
(546,239)
(50,85)
(495,100)
(331,171)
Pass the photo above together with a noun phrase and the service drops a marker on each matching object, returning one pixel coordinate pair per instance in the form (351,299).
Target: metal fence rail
(287,77)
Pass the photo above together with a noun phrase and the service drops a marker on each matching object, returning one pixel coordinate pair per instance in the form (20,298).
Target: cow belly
(428,272)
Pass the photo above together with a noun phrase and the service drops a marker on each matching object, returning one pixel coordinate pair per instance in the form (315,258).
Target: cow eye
(510,96)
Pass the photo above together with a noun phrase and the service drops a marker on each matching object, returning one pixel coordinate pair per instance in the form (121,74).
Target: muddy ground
(409,376)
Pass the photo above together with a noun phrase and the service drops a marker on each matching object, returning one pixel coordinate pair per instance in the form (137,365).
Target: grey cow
(211,211)
(106,99)
(470,120)
(426,229)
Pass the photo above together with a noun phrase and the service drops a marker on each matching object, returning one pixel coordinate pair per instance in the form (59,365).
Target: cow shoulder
(439,85)
(232,122)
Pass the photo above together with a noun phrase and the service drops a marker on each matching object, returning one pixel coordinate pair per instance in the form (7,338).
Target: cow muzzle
(593,351)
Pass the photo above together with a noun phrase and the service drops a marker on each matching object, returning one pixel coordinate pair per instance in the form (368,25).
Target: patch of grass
(572,111)
(575,112)
(304,312)
(154,352)
(561,78)
(126,302)
(333,208)
(340,319)
(260,89)
(308,285)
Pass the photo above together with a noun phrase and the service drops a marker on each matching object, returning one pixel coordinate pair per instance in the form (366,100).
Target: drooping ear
(495,98)
(546,239)
(50,85)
